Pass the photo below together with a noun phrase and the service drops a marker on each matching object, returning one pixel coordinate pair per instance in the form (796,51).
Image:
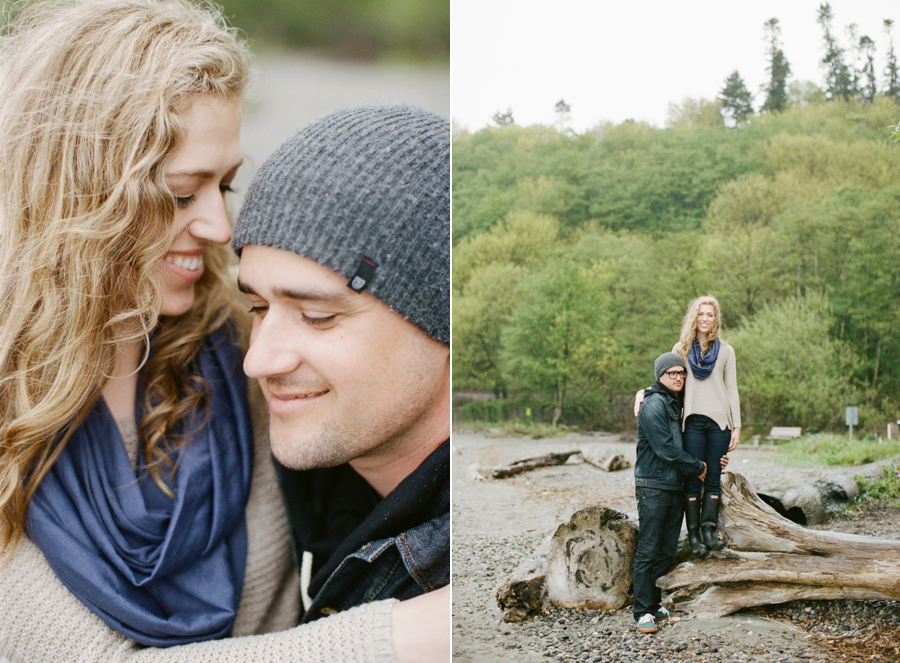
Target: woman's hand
(735,439)
(638,400)
(420,628)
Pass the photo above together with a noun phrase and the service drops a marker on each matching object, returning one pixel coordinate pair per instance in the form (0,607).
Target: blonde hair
(90,97)
(689,326)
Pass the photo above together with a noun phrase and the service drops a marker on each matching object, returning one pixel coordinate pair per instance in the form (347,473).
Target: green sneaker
(664,615)
(647,624)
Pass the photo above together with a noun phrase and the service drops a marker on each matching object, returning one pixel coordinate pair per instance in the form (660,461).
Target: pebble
(596,636)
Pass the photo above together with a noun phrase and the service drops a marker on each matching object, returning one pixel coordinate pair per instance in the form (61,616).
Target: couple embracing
(689,420)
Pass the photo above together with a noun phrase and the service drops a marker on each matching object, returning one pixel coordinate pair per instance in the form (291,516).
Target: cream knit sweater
(717,396)
(41,622)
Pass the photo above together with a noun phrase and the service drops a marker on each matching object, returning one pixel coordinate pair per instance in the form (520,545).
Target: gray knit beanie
(366,192)
(666,361)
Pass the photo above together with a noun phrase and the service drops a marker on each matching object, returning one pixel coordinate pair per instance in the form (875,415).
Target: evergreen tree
(891,70)
(853,67)
(838,81)
(563,116)
(736,100)
(779,70)
(868,87)
(503,119)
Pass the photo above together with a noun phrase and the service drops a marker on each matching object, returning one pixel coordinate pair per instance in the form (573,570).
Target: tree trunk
(528,464)
(606,460)
(770,559)
(585,563)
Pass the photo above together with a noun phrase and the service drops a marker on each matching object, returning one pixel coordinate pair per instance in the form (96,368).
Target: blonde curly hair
(90,97)
(689,326)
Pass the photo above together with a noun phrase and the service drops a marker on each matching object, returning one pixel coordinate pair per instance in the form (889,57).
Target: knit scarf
(161,571)
(702,367)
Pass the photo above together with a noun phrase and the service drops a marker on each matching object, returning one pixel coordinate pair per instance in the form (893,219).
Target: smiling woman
(200,173)
(139,512)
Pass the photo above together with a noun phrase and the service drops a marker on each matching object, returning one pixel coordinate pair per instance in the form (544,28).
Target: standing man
(344,239)
(659,473)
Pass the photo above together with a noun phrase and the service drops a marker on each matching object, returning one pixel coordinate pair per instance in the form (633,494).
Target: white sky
(620,59)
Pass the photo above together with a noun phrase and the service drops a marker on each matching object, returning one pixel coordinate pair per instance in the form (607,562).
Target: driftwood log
(770,559)
(585,563)
(606,460)
(816,502)
(528,464)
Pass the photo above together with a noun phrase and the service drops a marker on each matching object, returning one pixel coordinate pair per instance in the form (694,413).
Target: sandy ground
(498,523)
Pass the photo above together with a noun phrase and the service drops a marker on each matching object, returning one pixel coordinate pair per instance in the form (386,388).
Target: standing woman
(712,416)
(138,505)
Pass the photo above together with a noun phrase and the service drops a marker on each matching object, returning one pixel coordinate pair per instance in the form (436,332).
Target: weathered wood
(606,460)
(524,593)
(585,563)
(528,464)
(770,557)
(721,600)
(590,560)
(816,502)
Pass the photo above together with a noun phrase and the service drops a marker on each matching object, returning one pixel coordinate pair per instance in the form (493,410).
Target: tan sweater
(42,622)
(716,396)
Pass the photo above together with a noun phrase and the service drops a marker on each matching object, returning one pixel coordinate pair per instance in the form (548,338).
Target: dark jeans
(703,439)
(660,513)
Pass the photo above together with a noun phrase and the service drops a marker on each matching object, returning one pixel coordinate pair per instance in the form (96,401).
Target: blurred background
(314,56)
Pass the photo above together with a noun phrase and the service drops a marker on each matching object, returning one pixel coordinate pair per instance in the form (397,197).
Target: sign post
(852,419)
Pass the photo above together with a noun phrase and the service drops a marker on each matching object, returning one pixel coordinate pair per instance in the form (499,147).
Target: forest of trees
(360,29)
(576,255)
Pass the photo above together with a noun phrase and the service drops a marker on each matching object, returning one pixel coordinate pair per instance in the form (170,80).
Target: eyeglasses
(677,375)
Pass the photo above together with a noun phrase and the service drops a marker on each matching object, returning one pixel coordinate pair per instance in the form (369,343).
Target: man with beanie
(344,240)
(659,473)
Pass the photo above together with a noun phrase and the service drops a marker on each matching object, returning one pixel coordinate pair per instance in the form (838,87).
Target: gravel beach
(499,523)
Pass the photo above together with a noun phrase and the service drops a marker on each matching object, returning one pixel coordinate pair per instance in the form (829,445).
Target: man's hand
(638,400)
(724,461)
(420,628)
(702,475)
(735,439)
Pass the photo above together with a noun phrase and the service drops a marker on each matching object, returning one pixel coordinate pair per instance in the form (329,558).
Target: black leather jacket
(661,461)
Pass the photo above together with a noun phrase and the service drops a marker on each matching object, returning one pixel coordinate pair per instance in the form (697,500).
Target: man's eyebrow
(298,294)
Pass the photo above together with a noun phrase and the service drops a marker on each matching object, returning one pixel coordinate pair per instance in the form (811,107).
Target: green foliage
(479,315)
(792,220)
(408,29)
(838,82)
(555,340)
(736,100)
(520,238)
(693,113)
(826,449)
(791,372)
(779,70)
(875,493)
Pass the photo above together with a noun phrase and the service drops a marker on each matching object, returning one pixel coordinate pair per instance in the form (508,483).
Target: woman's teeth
(190,264)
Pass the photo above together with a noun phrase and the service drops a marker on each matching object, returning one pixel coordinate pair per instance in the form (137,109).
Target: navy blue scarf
(702,367)
(161,571)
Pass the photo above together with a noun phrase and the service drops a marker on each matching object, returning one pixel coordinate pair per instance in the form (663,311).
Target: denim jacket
(661,462)
(366,549)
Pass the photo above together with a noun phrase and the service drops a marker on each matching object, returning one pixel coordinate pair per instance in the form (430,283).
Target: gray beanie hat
(666,361)
(366,192)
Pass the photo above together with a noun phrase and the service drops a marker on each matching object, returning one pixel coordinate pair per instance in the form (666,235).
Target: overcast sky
(612,60)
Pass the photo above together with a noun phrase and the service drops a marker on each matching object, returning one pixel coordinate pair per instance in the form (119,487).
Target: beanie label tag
(365,272)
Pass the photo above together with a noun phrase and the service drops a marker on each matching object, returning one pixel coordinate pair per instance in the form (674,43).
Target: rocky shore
(497,524)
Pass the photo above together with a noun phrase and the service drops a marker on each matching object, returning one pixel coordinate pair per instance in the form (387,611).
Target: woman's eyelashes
(182,202)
